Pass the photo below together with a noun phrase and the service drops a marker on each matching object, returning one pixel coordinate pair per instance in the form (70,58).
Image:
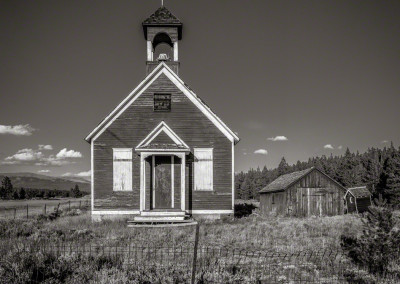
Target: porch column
(183,182)
(142,195)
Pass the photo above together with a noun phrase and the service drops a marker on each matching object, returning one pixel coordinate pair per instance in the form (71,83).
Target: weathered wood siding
(273,203)
(363,203)
(313,195)
(351,203)
(134,125)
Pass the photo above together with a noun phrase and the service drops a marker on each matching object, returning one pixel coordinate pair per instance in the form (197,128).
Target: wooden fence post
(80,201)
(27,211)
(45,209)
(15,212)
(196,243)
(69,204)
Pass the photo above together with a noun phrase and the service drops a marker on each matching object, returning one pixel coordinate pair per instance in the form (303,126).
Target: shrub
(243,210)
(378,245)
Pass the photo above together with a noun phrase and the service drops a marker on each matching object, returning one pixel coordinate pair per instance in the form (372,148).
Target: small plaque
(162,102)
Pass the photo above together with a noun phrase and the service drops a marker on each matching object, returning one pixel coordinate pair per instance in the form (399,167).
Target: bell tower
(162,31)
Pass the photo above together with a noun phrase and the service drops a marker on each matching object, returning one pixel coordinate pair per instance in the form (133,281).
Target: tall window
(122,169)
(203,169)
(162,102)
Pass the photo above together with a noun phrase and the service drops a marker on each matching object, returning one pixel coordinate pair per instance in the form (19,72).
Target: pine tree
(390,179)
(75,192)
(22,193)
(283,167)
(378,245)
(7,187)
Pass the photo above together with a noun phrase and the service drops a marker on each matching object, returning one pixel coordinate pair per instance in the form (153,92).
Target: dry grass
(251,233)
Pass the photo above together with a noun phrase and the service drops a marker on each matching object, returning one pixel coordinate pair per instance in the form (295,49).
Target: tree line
(378,169)
(8,192)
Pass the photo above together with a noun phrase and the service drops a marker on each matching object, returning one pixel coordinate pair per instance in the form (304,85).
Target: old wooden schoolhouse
(162,151)
(310,192)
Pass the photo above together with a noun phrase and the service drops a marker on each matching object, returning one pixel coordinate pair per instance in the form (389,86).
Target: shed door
(312,202)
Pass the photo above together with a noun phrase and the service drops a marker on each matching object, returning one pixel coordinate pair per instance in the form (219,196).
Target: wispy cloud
(44,171)
(328,146)
(45,147)
(384,141)
(340,147)
(36,157)
(261,151)
(25,155)
(81,174)
(19,130)
(278,138)
(64,153)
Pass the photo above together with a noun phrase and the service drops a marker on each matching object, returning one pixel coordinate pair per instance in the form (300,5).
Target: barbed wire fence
(212,264)
(28,211)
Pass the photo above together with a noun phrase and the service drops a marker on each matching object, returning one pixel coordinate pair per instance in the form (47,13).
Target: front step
(163,213)
(155,218)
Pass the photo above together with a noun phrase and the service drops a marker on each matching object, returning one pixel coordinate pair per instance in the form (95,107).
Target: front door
(162,186)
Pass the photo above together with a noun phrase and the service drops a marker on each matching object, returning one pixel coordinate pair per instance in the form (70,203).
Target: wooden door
(162,192)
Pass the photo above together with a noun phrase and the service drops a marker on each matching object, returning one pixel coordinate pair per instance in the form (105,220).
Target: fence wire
(165,263)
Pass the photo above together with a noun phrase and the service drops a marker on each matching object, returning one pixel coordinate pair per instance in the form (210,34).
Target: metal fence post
(196,243)
(27,211)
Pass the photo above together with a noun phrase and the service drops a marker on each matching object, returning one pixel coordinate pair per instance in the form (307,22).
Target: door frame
(180,154)
(153,177)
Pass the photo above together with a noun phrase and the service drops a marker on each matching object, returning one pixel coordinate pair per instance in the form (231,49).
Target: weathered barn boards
(304,193)
(162,151)
(357,199)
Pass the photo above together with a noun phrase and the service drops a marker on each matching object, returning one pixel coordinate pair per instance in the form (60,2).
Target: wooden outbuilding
(357,199)
(304,193)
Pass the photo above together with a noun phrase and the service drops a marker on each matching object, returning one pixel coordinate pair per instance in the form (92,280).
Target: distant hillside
(31,180)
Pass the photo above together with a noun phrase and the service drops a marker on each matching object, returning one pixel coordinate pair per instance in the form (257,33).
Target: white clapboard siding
(203,169)
(122,169)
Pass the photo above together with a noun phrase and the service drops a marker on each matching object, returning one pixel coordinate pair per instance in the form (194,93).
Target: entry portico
(160,152)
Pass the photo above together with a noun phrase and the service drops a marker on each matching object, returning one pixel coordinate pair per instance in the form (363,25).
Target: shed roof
(359,192)
(284,181)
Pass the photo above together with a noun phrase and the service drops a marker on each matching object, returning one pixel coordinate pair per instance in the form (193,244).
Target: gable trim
(162,68)
(157,130)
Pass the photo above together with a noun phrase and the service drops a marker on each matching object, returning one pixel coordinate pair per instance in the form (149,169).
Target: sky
(292,78)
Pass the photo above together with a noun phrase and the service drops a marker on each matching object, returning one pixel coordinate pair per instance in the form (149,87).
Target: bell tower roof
(162,17)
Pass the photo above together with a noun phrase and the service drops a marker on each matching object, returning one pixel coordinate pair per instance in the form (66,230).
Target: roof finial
(162,3)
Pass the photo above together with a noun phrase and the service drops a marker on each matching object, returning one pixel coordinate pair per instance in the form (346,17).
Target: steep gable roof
(285,181)
(162,17)
(162,68)
(359,192)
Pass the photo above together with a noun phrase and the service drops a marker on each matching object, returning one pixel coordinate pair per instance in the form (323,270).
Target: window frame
(195,171)
(114,160)
(154,102)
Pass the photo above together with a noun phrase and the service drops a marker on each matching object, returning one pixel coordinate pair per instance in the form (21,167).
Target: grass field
(36,206)
(158,259)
